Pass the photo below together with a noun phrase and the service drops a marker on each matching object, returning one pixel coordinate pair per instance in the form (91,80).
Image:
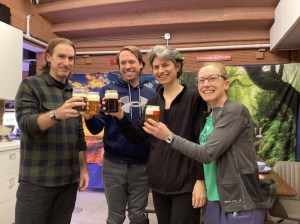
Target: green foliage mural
(188,78)
(271,93)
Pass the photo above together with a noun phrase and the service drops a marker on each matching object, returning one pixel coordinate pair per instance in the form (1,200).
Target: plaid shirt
(48,158)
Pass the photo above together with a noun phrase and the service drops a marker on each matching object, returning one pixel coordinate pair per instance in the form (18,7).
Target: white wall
(11,54)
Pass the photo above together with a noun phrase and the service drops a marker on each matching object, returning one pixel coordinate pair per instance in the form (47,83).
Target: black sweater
(169,171)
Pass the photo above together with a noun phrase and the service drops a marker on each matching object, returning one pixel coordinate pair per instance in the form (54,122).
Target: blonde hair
(217,65)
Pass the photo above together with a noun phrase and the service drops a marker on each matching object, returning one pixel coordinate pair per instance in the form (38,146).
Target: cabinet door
(7,212)
(8,187)
(9,162)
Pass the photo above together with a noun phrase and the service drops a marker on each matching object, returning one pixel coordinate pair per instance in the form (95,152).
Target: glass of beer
(80,92)
(93,100)
(111,98)
(152,112)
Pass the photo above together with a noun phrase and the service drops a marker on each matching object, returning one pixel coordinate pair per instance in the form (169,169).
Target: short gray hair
(167,53)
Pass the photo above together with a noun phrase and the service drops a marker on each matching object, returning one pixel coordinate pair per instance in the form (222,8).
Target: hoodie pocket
(230,191)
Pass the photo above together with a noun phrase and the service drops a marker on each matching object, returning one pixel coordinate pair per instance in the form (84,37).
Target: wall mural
(271,93)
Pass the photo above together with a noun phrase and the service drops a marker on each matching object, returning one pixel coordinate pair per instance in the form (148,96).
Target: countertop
(4,146)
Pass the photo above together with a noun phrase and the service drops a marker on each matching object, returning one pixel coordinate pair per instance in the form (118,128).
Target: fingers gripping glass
(211,79)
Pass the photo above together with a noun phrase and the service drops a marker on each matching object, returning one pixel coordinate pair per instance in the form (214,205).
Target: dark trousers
(175,209)
(125,184)
(214,214)
(45,205)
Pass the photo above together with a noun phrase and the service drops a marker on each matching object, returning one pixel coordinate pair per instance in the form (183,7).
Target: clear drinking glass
(111,98)
(93,100)
(80,92)
(152,112)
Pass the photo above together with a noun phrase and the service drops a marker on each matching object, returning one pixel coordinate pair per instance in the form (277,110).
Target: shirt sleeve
(81,137)
(96,124)
(27,109)
(227,130)
(132,132)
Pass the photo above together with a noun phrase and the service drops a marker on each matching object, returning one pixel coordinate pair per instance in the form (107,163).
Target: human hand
(84,180)
(85,115)
(157,129)
(199,194)
(119,114)
(67,109)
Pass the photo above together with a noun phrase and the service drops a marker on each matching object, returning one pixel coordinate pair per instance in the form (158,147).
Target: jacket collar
(51,82)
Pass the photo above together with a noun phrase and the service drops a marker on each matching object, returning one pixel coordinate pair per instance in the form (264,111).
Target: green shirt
(48,158)
(210,168)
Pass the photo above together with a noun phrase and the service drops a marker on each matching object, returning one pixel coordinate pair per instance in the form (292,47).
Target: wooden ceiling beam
(56,6)
(226,15)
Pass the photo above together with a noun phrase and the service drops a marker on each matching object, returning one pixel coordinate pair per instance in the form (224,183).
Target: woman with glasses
(227,151)
(176,181)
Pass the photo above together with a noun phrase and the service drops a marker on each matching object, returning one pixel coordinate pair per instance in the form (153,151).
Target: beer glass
(111,98)
(152,112)
(93,99)
(80,92)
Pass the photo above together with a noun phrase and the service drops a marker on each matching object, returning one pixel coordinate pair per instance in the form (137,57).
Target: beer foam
(111,95)
(93,97)
(151,109)
(79,95)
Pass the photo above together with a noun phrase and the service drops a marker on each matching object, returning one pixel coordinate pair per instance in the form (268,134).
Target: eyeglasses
(211,79)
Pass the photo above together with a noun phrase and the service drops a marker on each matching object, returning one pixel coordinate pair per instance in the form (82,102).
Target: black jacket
(169,171)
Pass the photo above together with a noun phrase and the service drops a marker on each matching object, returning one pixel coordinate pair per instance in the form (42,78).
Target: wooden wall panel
(101,64)
(239,57)
(295,56)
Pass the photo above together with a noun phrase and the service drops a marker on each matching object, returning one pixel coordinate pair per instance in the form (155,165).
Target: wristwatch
(169,139)
(52,115)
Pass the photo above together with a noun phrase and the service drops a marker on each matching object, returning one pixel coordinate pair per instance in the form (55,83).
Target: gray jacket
(231,145)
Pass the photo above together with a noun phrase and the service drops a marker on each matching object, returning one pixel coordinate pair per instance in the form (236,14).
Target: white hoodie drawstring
(140,108)
(129,94)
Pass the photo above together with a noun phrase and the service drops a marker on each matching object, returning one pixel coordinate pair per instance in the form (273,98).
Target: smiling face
(215,91)
(130,67)
(61,61)
(165,71)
